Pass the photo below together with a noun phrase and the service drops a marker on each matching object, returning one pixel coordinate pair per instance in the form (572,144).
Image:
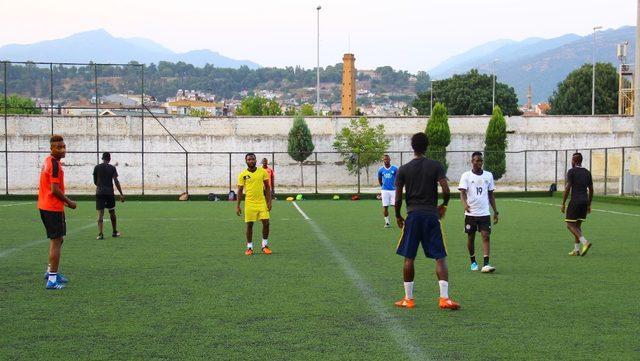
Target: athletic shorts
(253,213)
(54,223)
(474,224)
(422,227)
(576,212)
(388,198)
(105,201)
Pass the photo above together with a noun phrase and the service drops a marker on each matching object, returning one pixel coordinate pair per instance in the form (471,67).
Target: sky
(409,35)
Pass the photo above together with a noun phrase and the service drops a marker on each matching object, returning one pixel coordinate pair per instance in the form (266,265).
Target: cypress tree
(300,145)
(438,134)
(495,144)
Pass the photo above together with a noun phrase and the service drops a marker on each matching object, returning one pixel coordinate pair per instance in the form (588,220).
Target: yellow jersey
(253,184)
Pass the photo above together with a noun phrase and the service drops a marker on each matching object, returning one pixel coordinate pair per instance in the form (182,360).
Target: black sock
(473,258)
(486,260)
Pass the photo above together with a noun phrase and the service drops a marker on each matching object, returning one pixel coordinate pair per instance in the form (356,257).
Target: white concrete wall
(207,172)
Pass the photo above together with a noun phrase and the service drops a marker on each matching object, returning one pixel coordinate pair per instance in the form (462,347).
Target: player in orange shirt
(51,202)
(271,173)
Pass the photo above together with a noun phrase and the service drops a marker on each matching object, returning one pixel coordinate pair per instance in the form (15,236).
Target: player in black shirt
(420,177)
(104,176)
(578,182)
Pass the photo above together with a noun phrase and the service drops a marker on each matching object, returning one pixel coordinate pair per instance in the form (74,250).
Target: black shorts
(54,223)
(576,212)
(105,201)
(474,224)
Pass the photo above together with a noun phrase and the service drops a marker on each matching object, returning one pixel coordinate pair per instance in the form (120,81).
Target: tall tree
(361,145)
(438,134)
(573,95)
(469,94)
(495,144)
(17,104)
(423,82)
(257,105)
(300,145)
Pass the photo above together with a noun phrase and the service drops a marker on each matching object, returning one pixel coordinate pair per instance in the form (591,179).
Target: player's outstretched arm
(238,210)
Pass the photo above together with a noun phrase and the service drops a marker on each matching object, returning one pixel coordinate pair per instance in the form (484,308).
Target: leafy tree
(438,134)
(423,82)
(257,105)
(495,144)
(307,110)
(290,111)
(272,108)
(193,112)
(17,104)
(469,94)
(300,145)
(573,96)
(361,145)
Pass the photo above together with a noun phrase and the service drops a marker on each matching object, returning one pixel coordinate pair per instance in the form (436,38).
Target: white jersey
(477,187)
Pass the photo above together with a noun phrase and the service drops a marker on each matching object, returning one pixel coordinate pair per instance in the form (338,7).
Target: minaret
(348,85)
(529,98)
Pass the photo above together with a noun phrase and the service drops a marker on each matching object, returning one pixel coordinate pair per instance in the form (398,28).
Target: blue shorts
(422,227)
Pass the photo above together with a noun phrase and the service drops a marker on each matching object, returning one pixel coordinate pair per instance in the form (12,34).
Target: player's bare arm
(463,198)
(590,198)
(446,195)
(267,193)
(398,205)
(565,194)
(117,183)
(492,201)
(238,210)
(55,189)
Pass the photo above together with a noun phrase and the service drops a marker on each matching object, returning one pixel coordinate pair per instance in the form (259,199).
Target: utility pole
(318,66)
(636,84)
(593,72)
(493,101)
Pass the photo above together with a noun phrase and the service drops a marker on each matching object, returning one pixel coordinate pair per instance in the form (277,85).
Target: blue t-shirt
(388,177)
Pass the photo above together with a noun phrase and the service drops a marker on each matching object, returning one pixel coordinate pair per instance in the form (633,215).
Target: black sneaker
(115,234)
(100,236)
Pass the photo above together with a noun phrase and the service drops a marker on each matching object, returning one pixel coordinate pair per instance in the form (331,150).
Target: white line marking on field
(40,241)
(592,209)
(400,335)
(15,204)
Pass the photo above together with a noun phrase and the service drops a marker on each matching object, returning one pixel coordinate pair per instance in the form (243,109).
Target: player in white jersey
(476,192)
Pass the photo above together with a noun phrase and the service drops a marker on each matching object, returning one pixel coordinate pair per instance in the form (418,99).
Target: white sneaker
(387,225)
(488,269)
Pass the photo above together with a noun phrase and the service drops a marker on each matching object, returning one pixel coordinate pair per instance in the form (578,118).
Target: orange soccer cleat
(406,303)
(266,250)
(248,252)
(447,303)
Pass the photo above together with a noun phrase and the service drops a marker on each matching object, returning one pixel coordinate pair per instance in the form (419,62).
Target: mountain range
(101,47)
(541,63)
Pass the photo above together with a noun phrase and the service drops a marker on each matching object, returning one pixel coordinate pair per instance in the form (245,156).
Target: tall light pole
(636,84)
(593,72)
(493,101)
(318,66)
(431,92)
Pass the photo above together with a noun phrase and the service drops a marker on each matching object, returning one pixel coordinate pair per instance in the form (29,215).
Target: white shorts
(388,198)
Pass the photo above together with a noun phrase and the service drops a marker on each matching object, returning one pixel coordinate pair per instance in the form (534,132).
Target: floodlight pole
(318,61)
(493,99)
(636,84)
(593,72)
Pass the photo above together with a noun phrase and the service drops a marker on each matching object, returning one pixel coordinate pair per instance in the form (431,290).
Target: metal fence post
(590,159)
(51,94)
(6,134)
(95,79)
(525,171)
(229,171)
(142,120)
(315,161)
(556,178)
(622,174)
(358,168)
(273,168)
(606,160)
(186,171)
(400,158)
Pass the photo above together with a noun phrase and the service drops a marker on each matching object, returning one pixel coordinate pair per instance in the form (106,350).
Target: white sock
(53,277)
(583,240)
(250,245)
(264,242)
(444,289)
(576,247)
(48,268)
(408,290)
(386,220)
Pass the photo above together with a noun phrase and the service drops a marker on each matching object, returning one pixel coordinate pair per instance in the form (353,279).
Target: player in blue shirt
(387,179)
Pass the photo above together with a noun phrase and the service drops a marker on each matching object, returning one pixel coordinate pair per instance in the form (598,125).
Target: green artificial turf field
(177,286)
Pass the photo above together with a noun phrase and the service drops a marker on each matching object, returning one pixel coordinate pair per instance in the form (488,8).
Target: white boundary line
(592,209)
(16,204)
(394,326)
(9,251)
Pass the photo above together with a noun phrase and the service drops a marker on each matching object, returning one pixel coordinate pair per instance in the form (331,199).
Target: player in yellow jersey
(254,183)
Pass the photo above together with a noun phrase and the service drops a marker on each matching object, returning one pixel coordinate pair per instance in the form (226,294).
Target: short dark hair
(106,156)
(386,155)
(419,142)
(577,156)
(476,153)
(248,155)
(56,138)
